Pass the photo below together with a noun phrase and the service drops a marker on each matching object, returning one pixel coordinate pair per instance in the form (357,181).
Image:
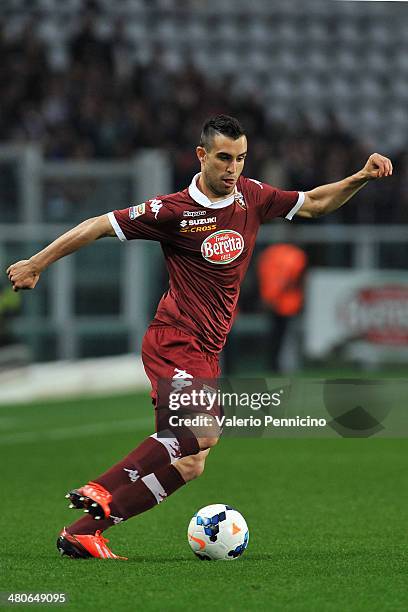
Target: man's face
(223,163)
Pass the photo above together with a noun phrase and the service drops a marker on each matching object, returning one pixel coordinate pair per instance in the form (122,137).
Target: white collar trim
(199,197)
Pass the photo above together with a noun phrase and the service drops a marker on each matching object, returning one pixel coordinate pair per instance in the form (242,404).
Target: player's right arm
(26,273)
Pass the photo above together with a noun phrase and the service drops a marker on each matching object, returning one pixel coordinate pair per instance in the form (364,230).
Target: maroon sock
(132,499)
(152,454)
(88,526)
(150,490)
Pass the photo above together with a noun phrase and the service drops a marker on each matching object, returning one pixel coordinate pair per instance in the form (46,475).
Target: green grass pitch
(327,518)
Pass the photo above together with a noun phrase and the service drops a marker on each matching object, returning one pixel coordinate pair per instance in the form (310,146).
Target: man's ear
(201,154)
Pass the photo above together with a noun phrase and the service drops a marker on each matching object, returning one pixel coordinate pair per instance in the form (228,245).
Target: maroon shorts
(170,354)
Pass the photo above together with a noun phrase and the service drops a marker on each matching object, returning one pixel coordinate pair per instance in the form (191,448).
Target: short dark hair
(220,124)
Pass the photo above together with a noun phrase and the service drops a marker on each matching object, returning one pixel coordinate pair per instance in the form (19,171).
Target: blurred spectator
(87,48)
(281,269)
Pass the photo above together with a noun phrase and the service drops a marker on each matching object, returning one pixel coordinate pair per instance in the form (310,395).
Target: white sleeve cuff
(297,206)
(116,227)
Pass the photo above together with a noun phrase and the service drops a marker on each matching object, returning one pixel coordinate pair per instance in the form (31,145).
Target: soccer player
(207,233)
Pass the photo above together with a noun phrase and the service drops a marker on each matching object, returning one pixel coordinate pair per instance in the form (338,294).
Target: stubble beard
(220,190)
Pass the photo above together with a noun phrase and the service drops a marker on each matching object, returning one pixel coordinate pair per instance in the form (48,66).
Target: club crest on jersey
(222,247)
(137,211)
(239,199)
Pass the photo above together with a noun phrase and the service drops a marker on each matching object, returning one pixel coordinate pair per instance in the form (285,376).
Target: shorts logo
(181,379)
(222,247)
(194,213)
(155,206)
(198,225)
(137,211)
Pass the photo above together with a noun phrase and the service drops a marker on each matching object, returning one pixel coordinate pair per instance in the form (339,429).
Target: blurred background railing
(96,289)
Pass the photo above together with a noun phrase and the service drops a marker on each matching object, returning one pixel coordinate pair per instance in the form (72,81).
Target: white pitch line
(76,431)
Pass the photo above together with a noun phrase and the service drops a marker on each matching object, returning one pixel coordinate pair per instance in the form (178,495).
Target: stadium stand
(100,79)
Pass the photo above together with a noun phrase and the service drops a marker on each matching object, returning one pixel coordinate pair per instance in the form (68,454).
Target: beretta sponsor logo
(378,314)
(137,211)
(194,213)
(222,247)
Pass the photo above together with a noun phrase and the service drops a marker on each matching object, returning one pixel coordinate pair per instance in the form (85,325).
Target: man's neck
(208,192)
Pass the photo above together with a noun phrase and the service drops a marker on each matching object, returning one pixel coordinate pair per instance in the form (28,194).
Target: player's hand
(377,166)
(23,275)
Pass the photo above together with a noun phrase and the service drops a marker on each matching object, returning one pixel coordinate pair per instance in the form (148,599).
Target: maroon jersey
(207,246)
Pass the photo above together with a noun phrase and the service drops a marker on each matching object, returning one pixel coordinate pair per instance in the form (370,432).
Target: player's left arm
(327,198)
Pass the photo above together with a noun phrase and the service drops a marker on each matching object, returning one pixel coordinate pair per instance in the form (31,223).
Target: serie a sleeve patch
(137,211)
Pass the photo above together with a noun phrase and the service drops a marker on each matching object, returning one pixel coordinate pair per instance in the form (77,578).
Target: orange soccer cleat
(85,546)
(93,497)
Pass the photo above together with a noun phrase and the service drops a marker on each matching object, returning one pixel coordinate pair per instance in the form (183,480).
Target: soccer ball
(218,532)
